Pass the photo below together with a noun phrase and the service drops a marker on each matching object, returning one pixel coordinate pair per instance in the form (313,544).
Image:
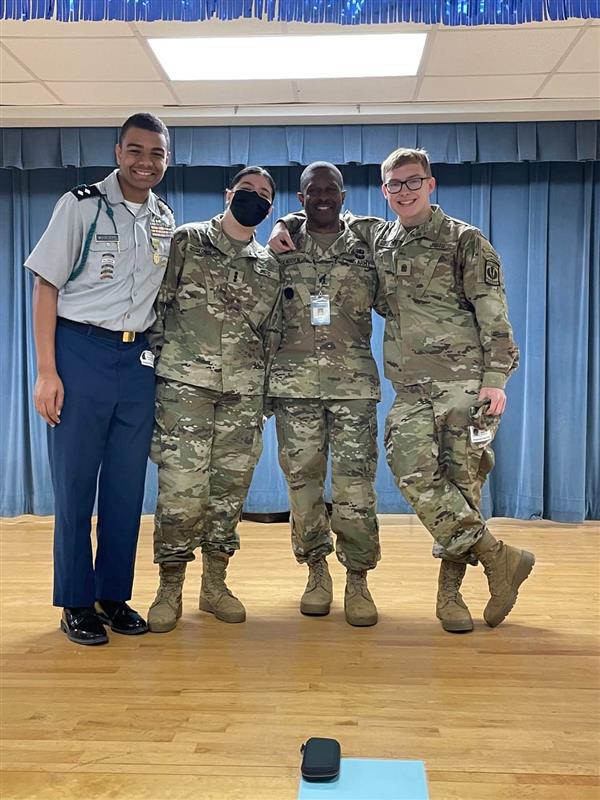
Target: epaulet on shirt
(83,191)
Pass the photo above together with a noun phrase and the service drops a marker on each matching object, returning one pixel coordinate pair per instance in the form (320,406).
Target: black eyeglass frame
(400,184)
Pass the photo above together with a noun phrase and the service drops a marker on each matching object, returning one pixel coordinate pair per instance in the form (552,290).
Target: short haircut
(253,171)
(308,171)
(147,122)
(406,155)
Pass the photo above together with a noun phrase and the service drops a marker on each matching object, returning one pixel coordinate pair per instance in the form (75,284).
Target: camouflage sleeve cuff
(293,221)
(494,380)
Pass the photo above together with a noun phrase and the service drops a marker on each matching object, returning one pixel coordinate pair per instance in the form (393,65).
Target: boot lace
(452,576)
(357,582)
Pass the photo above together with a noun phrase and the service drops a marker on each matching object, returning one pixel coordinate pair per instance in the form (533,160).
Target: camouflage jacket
(326,361)
(215,311)
(444,288)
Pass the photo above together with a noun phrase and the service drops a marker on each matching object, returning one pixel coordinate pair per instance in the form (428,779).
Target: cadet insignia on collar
(83,191)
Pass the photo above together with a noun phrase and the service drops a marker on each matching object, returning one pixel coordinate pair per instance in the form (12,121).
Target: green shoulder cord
(90,235)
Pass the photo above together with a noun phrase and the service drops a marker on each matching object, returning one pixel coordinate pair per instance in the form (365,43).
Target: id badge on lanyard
(320,310)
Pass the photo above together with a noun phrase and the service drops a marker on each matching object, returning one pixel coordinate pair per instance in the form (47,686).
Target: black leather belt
(95,330)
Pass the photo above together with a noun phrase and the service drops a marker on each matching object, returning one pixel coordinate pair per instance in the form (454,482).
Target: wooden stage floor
(218,712)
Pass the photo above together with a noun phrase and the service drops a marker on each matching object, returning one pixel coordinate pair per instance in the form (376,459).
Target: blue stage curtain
(446,143)
(542,217)
(348,12)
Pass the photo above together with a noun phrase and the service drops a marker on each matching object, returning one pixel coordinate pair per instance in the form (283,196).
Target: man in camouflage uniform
(449,351)
(325,384)
(212,339)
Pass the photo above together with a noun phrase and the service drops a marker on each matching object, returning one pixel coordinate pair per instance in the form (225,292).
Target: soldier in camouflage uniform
(325,384)
(449,351)
(212,338)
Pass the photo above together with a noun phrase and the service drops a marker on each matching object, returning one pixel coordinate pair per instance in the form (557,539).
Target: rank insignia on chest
(492,273)
(404,268)
(236,276)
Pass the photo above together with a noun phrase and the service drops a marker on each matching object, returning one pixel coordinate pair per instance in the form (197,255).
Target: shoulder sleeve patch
(83,192)
(492,273)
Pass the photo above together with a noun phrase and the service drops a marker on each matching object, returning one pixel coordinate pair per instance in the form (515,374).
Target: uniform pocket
(482,428)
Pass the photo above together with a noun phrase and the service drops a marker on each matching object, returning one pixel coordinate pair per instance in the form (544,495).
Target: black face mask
(249,208)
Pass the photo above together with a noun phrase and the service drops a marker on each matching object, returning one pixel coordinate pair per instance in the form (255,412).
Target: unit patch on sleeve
(492,273)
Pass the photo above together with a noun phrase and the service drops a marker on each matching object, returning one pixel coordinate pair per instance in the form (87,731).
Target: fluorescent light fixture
(255,58)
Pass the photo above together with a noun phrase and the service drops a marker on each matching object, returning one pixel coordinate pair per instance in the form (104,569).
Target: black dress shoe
(120,617)
(83,626)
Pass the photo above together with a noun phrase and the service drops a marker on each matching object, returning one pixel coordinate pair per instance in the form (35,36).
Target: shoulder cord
(90,235)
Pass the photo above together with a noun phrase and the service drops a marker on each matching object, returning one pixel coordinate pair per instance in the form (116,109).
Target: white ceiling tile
(201,93)
(586,84)
(330,30)
(113,94)
(254,27)
(209,27)
(356,90)
(494,87)
(11,70)
(585,56)
(25,94)
(497,52)
(553,24)
(48,28)
(86,59)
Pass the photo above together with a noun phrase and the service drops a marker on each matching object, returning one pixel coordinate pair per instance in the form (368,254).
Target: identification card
(479,436)
(320,311)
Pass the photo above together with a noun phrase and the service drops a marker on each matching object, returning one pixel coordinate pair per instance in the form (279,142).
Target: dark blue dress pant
(101,444)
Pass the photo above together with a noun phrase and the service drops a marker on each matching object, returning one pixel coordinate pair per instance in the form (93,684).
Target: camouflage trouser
(306,431)
(206,445)
(439,471)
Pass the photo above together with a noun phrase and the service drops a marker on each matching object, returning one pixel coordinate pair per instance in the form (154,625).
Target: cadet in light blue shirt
(98,268)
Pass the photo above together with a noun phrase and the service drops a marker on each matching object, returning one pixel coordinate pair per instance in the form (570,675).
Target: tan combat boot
(317,597)
(358,603)
(215,597)
(166,608)
(506,568)
(451,609)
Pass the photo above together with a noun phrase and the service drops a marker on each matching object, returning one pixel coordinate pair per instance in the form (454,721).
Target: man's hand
(497,398)
(280,240)
(48,396)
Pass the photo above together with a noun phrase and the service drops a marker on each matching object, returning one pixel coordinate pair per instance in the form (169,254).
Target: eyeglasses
(414,184)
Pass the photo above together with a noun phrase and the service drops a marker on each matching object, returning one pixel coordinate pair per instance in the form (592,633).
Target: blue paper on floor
(371,779)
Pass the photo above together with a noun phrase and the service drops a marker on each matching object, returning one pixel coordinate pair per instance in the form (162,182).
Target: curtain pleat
(449,143)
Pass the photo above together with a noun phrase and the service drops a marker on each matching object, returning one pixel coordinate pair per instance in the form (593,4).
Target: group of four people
(232,331)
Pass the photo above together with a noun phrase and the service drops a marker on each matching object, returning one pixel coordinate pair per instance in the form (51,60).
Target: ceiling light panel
(290,57)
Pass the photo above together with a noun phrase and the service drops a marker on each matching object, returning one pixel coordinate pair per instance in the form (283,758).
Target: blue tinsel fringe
(344,12)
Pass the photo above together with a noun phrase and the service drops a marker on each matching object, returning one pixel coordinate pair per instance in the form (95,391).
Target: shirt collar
(111,187)
(426,230)
(219,239)
(304,241)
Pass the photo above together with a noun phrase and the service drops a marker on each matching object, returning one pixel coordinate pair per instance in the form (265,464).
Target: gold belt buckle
(129,336)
